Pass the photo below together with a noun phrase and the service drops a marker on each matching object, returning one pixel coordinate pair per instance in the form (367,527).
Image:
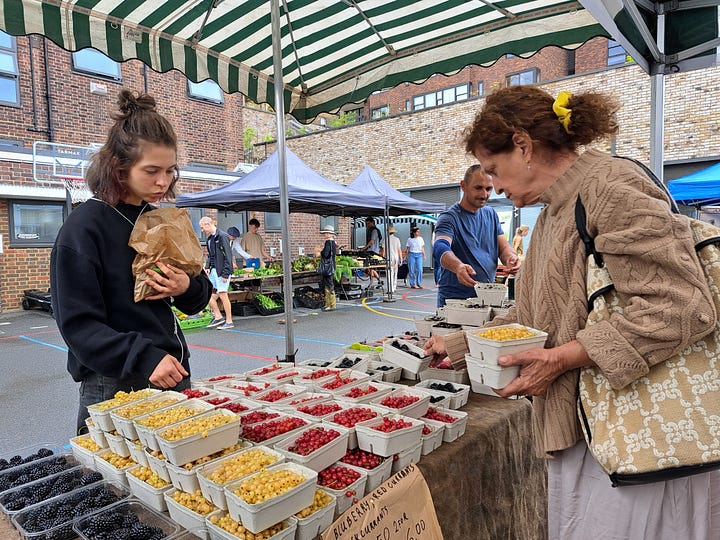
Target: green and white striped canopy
(334,51)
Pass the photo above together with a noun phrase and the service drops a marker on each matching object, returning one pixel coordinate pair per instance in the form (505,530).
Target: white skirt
(582,504)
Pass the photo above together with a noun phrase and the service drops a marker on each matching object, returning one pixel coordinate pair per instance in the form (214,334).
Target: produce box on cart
(269,303)
(310,297)
(193,321)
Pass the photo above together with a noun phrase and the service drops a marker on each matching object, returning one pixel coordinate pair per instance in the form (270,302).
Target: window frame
(91,71)
(438,96)
(11,52)
(534,71)
(194,95)
(32,243)
(269,224)
(380,112)
(616,59)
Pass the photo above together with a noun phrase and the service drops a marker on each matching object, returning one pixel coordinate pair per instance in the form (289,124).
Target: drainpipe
(48,96)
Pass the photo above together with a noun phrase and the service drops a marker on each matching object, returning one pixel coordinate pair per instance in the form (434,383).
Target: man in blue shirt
(469,240)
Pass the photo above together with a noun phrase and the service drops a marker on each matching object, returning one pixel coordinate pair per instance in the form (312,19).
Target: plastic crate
(471,313)
(13,500)
(258,517)
(387,444)
(183,516)
(143,513)
(322,457)
(34,470)
(413,410)
(277,298)
(214,491)
(455,400)
(195,321)
(101,416)
(187,449)
(147,433)
(304,300)
(31,452)
(123,420)
(152,496)
(488,350)
(243,309)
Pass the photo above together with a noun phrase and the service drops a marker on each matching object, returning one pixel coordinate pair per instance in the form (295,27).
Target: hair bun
(130,102)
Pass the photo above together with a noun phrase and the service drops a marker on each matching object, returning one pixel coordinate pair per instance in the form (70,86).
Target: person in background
(115,343)
(529,143)
(235,246)
(254,244)
(469,240)
(517,244)
(373,239)
(219,269)
(395,256)
(327,257)
(415,252)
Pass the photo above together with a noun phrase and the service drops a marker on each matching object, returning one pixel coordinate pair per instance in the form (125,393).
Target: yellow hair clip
(560,107)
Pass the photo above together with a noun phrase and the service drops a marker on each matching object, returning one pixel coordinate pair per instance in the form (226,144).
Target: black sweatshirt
(92,289)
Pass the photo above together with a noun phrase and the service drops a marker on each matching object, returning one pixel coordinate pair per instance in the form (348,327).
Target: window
(481,89)
(35,223)
(442,97)
(529,76)
(329,220)
(9,87)
(273,221)
(380,112)
(96,63)
(208,91)
(616,53)
(323,121)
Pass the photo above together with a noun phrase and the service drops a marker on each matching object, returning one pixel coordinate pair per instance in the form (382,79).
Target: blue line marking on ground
(58,347)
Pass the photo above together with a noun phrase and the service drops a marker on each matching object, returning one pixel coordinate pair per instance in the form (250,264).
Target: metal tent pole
(282,180)
(389,296)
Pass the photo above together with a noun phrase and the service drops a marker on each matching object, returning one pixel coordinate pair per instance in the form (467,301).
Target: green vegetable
(266,302)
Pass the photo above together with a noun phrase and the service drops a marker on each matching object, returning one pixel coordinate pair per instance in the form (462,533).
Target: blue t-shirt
(474,242)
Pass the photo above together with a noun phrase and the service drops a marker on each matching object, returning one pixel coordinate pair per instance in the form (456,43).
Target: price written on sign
(399,509)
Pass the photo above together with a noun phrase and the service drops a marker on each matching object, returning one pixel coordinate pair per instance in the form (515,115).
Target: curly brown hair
(136,122)
(529,109)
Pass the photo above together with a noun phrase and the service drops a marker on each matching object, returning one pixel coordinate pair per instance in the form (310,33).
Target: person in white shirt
(238,252)
(415,251)
(395,256)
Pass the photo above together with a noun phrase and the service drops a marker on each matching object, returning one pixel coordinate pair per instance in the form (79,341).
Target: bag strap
(589,241)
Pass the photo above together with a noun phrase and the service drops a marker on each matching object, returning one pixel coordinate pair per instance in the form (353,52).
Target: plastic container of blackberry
(39,468)
(65,509)
(37,492)
(124,517)
(15,458)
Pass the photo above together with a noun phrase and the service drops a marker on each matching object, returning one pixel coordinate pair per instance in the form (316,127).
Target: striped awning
(334,52)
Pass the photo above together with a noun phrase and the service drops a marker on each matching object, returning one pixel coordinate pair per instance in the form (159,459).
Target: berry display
(359,391)
(404,347)
(150,477)
(194,501)
(336,477)
(446,387)
(226,523)
(361,458)
(312,439)
(221,378)
(321,500)
(18,499)
(201,424)
(265,370)
(16,460)
(320,373)
(506,333)
(119,524)
(275,395)
(272,428)
(136,409)
(348,362)
(338,381)
(195,393)
(433,414)
(233,406)
(122,398)
(62,511)
(217,400)
(389,425)
(34,471)
(243,464)
(257,416)
(399,402)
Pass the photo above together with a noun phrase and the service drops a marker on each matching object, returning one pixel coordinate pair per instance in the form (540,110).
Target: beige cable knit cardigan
(649,253)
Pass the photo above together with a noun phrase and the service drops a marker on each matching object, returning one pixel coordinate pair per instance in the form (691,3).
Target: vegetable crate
(274,306)
(308,297)
(195,321)
(243,309)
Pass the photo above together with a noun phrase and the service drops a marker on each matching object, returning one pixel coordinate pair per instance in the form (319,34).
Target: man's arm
(507,255)
(442,252)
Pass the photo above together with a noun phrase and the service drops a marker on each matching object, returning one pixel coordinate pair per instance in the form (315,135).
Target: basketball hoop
(77,188)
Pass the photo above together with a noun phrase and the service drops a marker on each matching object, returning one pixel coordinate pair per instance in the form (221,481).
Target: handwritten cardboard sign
(399,509)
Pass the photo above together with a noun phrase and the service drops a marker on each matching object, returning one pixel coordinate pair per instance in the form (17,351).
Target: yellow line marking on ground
(364,303)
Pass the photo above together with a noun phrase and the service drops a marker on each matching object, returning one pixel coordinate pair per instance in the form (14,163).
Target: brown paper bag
(399,509)
(166,235)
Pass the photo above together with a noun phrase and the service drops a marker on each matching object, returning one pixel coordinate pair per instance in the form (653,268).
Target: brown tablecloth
(486,485)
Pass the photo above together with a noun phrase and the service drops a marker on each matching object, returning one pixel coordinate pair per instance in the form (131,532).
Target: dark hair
(255,222)
(370,220)
(470,171)
(529,109)
(136,122)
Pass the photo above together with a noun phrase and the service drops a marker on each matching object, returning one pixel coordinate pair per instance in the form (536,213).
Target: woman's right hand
(435,345)
(168,372)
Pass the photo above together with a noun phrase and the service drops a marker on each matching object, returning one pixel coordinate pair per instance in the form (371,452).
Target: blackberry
(16,460)
(435,399)
(44,452)
(91,478)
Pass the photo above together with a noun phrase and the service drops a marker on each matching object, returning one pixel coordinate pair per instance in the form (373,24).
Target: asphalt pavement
(38,398)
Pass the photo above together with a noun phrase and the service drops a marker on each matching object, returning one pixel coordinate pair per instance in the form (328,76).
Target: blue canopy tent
(308,192)
(394,203)
(700,188)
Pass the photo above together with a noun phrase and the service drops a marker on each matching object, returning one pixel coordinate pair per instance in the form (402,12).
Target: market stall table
(487,484)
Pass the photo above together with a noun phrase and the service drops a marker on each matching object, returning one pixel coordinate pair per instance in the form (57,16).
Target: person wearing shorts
(219,269)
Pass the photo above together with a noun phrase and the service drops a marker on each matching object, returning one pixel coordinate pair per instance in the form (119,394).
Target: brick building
(56,97)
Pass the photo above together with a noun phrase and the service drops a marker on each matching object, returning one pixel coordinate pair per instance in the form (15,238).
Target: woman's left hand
(175,281)
(540,367)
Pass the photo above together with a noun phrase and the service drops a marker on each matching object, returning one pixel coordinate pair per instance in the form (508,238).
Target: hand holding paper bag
(166,235)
